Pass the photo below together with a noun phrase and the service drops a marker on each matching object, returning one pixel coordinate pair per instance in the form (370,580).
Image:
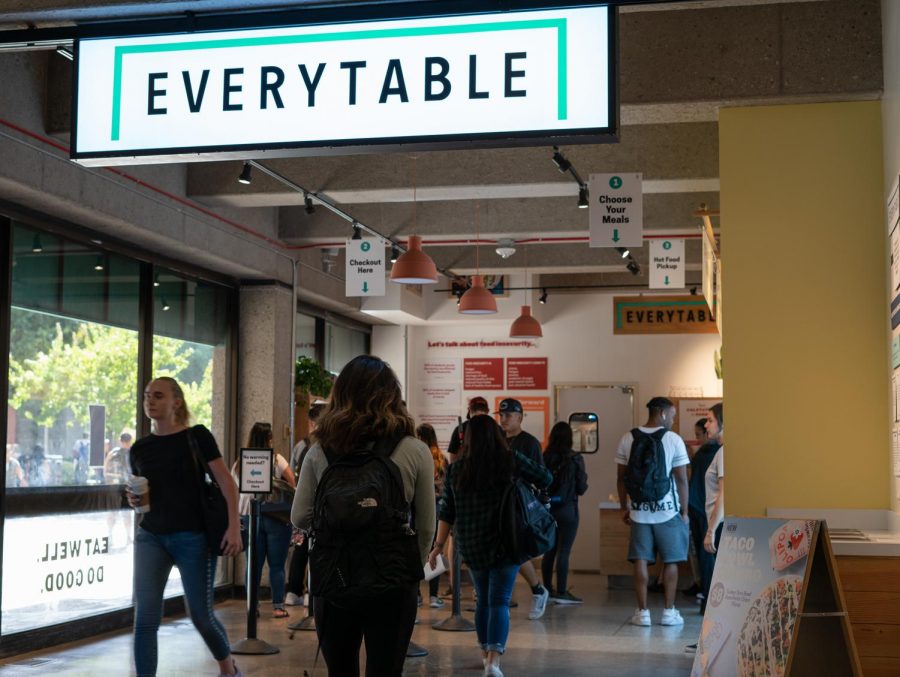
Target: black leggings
(385,621)
(566,516)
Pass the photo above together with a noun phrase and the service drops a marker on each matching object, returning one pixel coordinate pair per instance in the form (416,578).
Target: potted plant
(310,378)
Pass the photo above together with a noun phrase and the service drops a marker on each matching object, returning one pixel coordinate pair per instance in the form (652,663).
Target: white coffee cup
(141,488)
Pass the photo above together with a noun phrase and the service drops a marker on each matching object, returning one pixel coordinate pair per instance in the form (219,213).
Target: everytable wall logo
(437,77)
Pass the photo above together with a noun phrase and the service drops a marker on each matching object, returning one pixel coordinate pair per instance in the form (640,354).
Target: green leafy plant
(312,377)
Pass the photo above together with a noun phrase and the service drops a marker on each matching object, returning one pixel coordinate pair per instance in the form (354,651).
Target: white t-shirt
(676,456)
(714,472)
(244,499)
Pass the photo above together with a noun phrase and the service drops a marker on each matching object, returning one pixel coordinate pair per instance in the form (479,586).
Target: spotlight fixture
(694,290)
(357,232)
(623,251)
(458,295)
(633,268)
(36,245)
(308,204)
(583,201)
(156,280)
(98,264)
(245,176)
(165,305)
(543,299)
(395,253)
(561,163)
(506,247)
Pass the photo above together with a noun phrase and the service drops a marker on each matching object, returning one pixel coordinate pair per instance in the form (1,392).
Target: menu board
(769,573)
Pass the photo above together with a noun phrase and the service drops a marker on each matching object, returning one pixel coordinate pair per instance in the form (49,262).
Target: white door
(614,407)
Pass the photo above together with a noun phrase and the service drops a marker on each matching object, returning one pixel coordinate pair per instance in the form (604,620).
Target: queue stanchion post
(456,622)
(251,644)
(308,622)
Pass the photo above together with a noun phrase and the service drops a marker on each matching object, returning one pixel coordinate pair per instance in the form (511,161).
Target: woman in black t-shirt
(172,532)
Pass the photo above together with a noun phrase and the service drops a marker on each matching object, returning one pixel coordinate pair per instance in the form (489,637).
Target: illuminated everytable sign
(437,79)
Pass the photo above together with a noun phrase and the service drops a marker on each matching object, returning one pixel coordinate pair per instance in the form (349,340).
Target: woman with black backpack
(471,504)
(569,482)
(356,485)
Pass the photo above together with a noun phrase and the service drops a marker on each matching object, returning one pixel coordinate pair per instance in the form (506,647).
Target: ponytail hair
(182,414)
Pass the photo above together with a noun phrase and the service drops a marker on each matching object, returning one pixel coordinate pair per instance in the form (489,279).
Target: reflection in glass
(585,432)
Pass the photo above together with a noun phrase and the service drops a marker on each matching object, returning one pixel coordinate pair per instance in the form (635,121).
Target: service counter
(613,540)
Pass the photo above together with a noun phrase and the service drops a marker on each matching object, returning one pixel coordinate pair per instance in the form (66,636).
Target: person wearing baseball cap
(511,413)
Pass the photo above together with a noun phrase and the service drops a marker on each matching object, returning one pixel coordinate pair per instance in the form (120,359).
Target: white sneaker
(671,617)
(436,602)
(492,670)
(538,604)
(293,600)
(641,617)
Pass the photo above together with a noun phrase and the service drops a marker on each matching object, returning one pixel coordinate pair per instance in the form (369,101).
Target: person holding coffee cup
(165,489)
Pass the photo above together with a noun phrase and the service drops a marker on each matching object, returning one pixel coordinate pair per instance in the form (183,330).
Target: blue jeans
(493,588)
(272,542)
(154,556)
(566,516)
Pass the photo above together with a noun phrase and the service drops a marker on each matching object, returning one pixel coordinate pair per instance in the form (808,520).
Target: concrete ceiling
(680,63)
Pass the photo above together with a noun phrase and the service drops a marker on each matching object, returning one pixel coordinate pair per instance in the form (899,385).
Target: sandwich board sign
(775,606)
(365,268)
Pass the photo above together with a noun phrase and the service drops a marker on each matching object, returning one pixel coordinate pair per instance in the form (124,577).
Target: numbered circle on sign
(615,182)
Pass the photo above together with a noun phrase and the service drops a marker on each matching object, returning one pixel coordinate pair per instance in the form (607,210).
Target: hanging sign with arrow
(617,210)
(365,267)
(667,264)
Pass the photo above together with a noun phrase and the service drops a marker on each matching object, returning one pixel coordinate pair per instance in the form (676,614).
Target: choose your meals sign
(483,79)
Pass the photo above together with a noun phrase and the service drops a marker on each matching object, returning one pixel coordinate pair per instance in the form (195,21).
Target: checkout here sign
(436,80)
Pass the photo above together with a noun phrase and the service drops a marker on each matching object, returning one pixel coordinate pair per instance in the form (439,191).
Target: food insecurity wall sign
(485,77)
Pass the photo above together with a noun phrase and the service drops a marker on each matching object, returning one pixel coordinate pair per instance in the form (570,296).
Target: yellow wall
(806,359)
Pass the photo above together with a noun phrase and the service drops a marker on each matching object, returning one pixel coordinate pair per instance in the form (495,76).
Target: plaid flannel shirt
(475,516)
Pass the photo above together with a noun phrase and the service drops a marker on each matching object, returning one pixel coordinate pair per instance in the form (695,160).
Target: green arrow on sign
(615,235)
(667,279)
(365,287)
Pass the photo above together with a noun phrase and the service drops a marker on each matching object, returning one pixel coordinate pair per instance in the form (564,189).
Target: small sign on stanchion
(255,473)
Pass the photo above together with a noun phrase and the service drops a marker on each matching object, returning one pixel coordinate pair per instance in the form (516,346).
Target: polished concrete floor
(589,640)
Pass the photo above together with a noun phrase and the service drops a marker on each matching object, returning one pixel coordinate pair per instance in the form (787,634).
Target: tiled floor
(589,640)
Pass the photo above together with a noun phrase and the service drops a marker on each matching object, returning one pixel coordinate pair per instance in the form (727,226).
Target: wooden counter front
(614,535)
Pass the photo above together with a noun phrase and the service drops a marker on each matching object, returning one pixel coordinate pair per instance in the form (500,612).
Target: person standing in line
(700,463)
(473,492)
(715,490)
(296,583)
(117,462)
(172,532)
(569,482)
(273,540)
(659,525)
(524,443)
(366,417)
(426,433)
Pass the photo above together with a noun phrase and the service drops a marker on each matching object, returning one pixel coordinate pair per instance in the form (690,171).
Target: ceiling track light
(583,197)
(395,253)
(357,232)
(624,252)
(99,263)
(156,280)
(560,161)
(308,204)
(36,245)
(543,299)
(246,176)
(633,267)
(165,304)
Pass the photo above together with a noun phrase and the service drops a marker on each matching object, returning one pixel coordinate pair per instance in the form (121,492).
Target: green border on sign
(558,24)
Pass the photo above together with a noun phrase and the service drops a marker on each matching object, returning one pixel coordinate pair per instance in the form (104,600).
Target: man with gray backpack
(653,493)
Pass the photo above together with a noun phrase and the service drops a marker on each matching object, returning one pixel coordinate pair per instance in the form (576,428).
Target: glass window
(306,336)
(342,345)
(72,395)
(585,432)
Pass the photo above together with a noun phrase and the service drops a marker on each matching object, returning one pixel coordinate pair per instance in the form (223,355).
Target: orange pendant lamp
(477,300)
(414,266)
(525,326)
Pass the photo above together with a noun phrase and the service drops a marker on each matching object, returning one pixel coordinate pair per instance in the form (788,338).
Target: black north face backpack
(362,543)
(646,479)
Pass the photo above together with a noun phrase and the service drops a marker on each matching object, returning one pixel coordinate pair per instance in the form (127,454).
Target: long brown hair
(366,405)
(426,433)
(485,461)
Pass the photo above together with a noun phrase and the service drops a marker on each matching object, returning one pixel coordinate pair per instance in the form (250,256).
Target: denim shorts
(669,539)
